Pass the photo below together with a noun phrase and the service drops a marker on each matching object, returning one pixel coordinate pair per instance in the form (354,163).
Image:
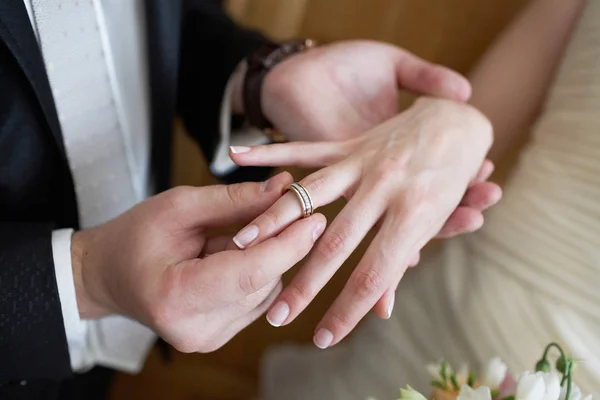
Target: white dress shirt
(95,55)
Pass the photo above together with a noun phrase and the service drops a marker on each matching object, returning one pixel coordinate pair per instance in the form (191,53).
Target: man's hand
(156,264)
(409,176)
(342,90)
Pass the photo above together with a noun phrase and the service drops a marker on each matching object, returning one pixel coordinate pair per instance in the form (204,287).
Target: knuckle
(300,293)
(340,322)
(433,75)
(314,184)
(177,197)
(234,193)
(271,219)
(250,282)
(210,346)
(331,245)
(368,282)
(417,195)
(389,172)
(159,314)
(185,346)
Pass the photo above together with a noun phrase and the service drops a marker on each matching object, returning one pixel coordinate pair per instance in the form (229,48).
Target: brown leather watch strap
(259,65)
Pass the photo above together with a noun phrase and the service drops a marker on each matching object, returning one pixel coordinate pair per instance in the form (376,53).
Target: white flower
(538,386)
(410,394)
(575,393)
(530,387)
(468,393)
(494,373)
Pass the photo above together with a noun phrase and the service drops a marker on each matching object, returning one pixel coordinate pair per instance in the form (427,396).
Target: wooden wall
(450,32)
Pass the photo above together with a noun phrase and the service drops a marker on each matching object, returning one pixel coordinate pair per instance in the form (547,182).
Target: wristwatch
(259,64)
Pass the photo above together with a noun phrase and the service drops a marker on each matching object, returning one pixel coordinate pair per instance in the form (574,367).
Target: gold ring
(304,197)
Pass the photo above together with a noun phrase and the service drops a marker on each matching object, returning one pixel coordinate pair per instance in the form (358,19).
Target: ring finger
(324,186)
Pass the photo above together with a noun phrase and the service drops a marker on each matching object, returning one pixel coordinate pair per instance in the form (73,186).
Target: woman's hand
(408,176)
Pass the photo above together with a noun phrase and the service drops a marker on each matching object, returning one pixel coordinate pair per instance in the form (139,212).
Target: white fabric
(103,112)
(530,277)
(246,136)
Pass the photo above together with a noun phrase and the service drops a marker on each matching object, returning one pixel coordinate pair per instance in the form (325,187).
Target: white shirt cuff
(222,163)
(114,342)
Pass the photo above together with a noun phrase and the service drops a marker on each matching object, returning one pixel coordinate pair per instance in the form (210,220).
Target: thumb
(244,272)
(423,77)
(220,206)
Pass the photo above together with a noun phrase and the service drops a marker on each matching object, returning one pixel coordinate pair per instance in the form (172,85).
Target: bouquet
(496,383)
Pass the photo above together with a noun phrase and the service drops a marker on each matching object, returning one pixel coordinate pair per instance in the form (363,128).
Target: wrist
(88,306)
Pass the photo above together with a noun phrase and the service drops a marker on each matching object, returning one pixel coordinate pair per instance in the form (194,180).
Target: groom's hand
(156,264)
(342,90)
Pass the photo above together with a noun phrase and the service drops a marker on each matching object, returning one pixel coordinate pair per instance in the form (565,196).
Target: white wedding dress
(529,277)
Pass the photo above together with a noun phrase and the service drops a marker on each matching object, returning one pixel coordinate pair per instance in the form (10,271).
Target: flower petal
(552,385)
(468,393)
(494,373)
(575,393)
(530,387)
(410,394)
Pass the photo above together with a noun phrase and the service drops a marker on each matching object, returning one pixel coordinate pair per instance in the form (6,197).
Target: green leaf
(443,370)
(472,378)
(454,382)
(438,385)
(509,398)
(495,393)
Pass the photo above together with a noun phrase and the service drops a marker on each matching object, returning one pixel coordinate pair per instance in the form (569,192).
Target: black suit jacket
(193,49)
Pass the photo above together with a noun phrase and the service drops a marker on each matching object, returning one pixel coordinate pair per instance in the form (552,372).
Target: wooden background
(451,32)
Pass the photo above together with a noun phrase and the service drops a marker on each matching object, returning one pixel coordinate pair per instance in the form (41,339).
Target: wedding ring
(304,197)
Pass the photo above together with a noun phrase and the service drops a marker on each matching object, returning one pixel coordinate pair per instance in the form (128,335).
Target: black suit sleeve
(32,335)
(212,46)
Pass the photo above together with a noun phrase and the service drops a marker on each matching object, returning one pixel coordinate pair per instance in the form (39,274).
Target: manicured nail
(278,314)
(318,232)
(323,338)
(239,149)
(391,306)
(246,236)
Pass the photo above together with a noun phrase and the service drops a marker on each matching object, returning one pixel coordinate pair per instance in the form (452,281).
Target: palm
(342,90)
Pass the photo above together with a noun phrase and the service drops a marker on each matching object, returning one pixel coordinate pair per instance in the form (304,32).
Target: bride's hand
(408,175)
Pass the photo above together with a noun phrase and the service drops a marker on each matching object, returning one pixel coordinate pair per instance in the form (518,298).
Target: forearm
(511,81)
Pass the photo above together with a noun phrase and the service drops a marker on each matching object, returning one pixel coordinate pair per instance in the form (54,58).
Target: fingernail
(268,184)
(323,338)
(318,232)
(239,149)
(278,314)
(391,306)
(246,236)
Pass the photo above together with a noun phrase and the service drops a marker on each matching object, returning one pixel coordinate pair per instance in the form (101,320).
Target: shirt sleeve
(246,136)
(114,342)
